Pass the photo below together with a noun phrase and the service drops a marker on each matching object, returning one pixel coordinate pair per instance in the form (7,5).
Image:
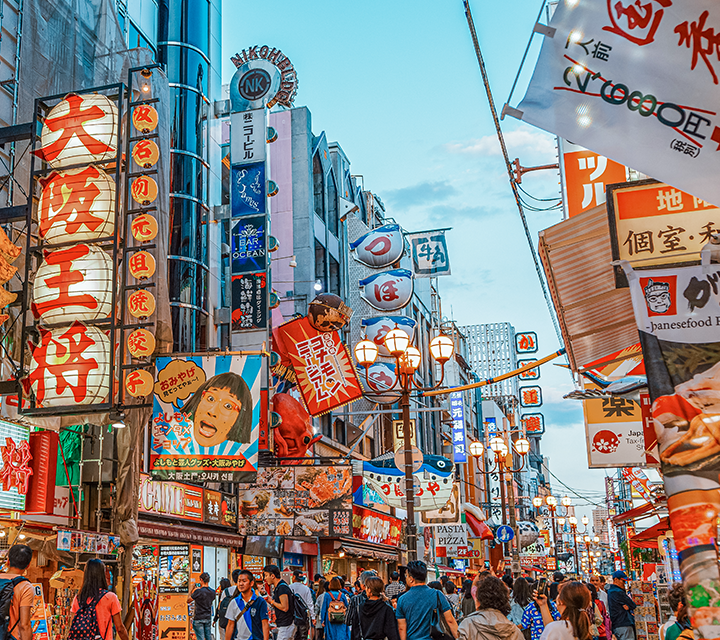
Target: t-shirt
(306,594)
(559,630)
(532,619)
(106,608)
(284,618)
(249,625)
(416,606)
(204,598)
(22,597)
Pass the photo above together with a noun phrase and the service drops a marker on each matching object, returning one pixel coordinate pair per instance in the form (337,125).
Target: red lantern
(144,190)
(144,227)
(145,153)
(141,343)
(141,303)
(145,118)
(139,383)
(141,265)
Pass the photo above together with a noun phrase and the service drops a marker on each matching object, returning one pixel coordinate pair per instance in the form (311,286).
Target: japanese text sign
(530,374)
(206,418)
(429,253)
(380,247)
(526,342)
(247,143)
(249,301)
(534,423)
(15,469)
(248,189)
(389,290)
(457,413)
(322,365)
(248,237)
(377,527)
(606,67)
(530,396)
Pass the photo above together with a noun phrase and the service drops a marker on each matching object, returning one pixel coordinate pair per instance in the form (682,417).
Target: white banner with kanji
(638,82)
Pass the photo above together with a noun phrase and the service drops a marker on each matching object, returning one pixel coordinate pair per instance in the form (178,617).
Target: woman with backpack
(334,610)
(321,595)
(681,629)
(96,608)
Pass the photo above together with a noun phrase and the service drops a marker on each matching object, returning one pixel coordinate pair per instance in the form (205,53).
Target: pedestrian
(558,577)
(19,558)
(681,627)
(467,602)
(203,597)
(534,617)
(453,597)
(95,608)
(376,619)
(437,585)
(676,596)
(574,624)
(489,621)
(394,587)
(599,583)
(281,601)
(521,597)
(508,580)
(620,608)
(599,615)
(321,595)
(352,619)
(299,588)
(420,606)
(227,595)
(247,615)
(334,611)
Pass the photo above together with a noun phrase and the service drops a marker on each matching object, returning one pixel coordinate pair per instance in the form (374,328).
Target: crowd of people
(486,608)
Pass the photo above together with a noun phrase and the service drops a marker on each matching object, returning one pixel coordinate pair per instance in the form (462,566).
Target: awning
(360,549)
(596,319)
(301,547)
(206,537)
(648,539)
(644,510)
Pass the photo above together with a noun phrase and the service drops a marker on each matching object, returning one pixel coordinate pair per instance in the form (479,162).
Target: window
(326,425)
(137,39)
(369,447)
(320,265)
(334,276)
(332,219)
(340,433)
(318,188)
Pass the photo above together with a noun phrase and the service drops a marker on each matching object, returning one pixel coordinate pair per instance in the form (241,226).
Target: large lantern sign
(73,283)
(389,290)
(139,383)
(78,204)
(144,190)
(145,118)
(380,247)
(141,343)
(144,227)
(141,303)
(80,130)
(145,153)
(71,365)
(141,265)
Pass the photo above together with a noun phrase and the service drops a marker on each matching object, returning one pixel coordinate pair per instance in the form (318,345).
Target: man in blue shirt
(620,608)
(247,615)
(416,607)
(533,619)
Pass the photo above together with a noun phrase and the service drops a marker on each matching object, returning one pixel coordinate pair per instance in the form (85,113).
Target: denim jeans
(203,629)
(624,633)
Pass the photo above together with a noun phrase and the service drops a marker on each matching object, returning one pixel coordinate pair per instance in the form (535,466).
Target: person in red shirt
(19,558)
(107,609)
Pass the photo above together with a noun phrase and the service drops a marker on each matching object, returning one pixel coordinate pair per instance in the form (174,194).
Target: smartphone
(487,564)
(542,588)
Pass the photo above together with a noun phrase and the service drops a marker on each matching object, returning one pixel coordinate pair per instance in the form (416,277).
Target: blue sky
(398,86)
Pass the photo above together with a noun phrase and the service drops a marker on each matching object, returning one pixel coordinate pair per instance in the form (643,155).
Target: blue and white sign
(504,533)
(491,427)
(248,189)
(247,142)
(457,413)
(429,253)
(248,245)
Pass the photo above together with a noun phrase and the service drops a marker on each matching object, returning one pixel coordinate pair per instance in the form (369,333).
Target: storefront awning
(301,547)
(648,539)
(596,319)
(644,510)
(364,549)
(207,537)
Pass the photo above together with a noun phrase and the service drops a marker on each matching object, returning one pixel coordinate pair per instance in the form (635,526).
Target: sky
(397,85)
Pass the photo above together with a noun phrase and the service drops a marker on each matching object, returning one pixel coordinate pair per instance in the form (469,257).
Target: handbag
(439,629)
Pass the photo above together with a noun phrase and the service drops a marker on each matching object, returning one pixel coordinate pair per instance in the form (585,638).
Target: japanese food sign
(206,418)
(678,317)
(298,501)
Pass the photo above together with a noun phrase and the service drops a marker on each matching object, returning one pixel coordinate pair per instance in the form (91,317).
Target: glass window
(332,218)
(334,276)
(318,188)
(340,432)
(326,425)
(320,265)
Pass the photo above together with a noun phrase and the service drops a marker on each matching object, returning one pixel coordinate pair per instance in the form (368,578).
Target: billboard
(206,418)
(298,501)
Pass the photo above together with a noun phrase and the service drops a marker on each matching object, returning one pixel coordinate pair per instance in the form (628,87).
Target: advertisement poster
(248,189)
(173,616)
(298,501)
(38,616)
(174,569)
(206,418)
(678,317)
(451,541)
(146,609)
(325,374)
(248,237)
(377,527)
(249,301)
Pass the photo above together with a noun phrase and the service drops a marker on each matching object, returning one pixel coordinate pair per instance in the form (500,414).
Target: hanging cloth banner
(429,253)
(636,82)
(678,317)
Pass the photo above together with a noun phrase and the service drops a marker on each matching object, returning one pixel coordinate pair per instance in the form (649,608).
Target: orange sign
(586,175)
(141,265)
(141,303)
(144,227)
(139,383)
(146,153)
(144,190)
(141,343)
(145,118)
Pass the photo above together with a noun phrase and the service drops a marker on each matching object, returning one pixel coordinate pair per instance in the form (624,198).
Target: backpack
(7,588)
(223,607)
(300,611)
(337,609)
(85,623)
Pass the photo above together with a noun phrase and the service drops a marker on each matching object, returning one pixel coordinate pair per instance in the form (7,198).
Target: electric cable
(509,167)
(539,199)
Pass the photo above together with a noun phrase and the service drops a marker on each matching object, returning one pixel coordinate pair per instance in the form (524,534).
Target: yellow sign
(38,617)
(173,616)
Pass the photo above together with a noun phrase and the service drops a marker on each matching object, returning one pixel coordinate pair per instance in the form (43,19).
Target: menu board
(145,563)
(298,501)
(174,569)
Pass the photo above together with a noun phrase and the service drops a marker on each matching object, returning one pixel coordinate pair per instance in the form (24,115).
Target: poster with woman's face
(206,418)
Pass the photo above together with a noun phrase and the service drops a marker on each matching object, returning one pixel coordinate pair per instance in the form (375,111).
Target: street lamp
(522,446)
(537,502)
(476,449)
(407,361)
(572,520)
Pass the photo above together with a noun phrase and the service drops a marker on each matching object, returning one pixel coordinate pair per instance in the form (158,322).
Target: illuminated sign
(15,470)
(264,77)
(171,499)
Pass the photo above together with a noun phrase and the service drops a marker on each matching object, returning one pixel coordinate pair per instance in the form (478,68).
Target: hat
(298,574)
(558,576)
(620,575)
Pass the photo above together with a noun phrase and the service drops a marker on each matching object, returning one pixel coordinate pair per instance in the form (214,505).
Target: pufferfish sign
(206,418)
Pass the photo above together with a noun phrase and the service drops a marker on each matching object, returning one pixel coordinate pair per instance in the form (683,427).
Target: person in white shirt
(299,587)
(572,602)
(599,583)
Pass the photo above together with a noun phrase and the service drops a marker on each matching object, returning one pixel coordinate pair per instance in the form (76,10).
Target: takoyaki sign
(206,418)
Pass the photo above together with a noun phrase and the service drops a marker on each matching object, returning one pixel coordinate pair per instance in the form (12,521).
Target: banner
(429,253)
(457,413)
(325,374)
(376,527)
(639,481)
(451,541)
(636,82)
(298,501)
(206,418)
(678,317)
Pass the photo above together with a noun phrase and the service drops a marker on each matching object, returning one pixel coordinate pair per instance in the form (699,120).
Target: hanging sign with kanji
(145,118)
(526,342)
(530,396)
(141,265)
(389,290)
(457,414)
(529,374)
(247,143)
(429,253)
(141,303)
(144,190)
(325,374)
(379,248)
(534,423)
(145,153)
(144,227)
(636,81)
(249,301)
(15,465)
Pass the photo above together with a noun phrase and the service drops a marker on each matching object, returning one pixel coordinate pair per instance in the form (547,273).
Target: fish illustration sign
(389,290)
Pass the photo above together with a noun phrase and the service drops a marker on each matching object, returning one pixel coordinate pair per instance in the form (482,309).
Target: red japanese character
(144,149)
(643,20)
(386,292)
(67,199)
(145,114)
(73,123)
(63,258)
(140,264)
(133,381)
(138,342)
(433,487)
(15,471)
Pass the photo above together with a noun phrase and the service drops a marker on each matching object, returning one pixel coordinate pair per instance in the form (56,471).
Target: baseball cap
(620,575)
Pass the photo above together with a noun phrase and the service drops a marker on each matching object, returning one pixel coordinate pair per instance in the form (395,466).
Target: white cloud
(519,142)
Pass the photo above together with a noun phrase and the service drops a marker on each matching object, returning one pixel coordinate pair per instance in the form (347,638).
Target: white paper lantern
(71,365)
(73,283)
(77,205)
(79,129)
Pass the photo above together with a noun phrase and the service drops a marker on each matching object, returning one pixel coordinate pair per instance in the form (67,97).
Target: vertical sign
(457,413)
(610,501)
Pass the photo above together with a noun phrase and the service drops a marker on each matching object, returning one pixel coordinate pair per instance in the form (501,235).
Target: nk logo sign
(254,84)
